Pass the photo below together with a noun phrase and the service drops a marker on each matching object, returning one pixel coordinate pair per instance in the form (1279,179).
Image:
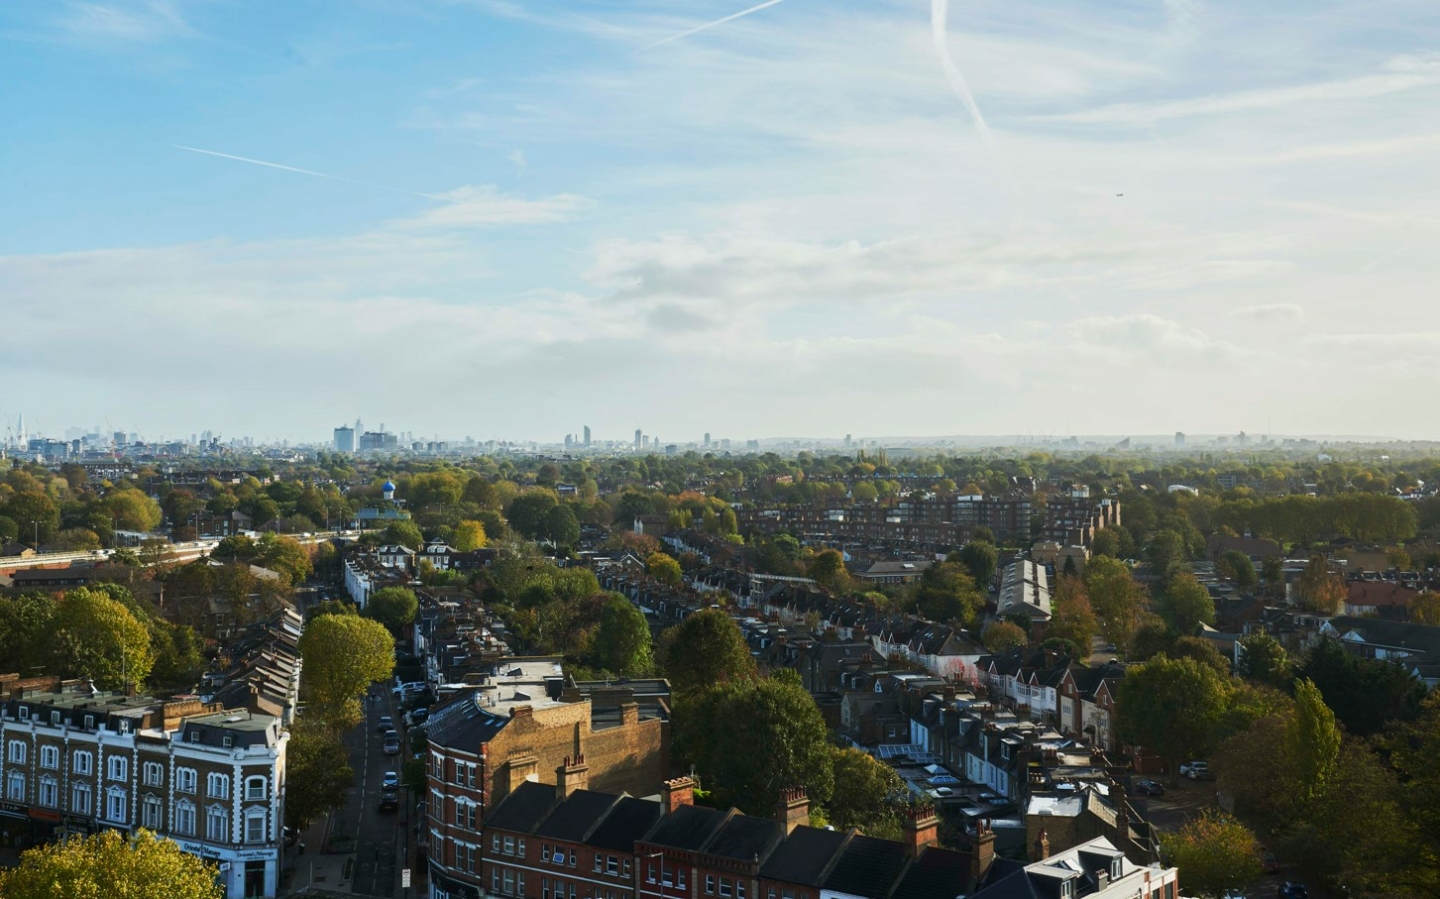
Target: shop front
(245,873)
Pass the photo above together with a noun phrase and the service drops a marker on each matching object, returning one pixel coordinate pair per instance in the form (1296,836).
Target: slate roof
(577,816)
(937,874)
(867,867)
(462,724)
(805,856)
(688,827)
(628,821)
(524,809)
(746,838)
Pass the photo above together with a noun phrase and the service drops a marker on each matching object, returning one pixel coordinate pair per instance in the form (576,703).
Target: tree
(561,527)
(621,644)
(468,535)
(1170,706)
(1118,601)
(1365,694)
(864,492)
(1318,590)
(664,568)
(319,773)
(1264,660)
(865,793)
(111,863)
(1185,604)
(946,592)
(1072,617)
(782,743)
(1313,740)
(1002,636)
(343,656)
(1240,568)
(1167,550)
(1425,608)
(1253,768)
(403,533)
(393,607)
(26,622)
(134,510)
(36,516)
(284,555)
(981,558)
(706,649)
(1215,853)
(528,510)
(98,638)
(178,661)
(74,540)
(1202,651)
(828,570)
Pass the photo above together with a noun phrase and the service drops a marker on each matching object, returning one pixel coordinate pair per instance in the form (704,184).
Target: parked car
(392,745)
(389,801)
(1269,862)
(1292,890)
(1196,770)
(1149,788)
(391,781)
(386,723)
(417,716)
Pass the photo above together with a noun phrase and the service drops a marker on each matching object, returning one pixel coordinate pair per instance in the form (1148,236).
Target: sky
(512,218)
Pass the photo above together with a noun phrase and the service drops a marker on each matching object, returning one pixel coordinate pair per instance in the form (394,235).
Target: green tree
(783,743)
(178,660)
(1313,740)
(36,516)
(864,492)
(1072,617)
(394,607)
(621,644)
(1170,706)
(1253,768)
(26,622)
(946,592)
(1242,570)
(1264,660)
(135,510)
(468,535)
(528,511)
(403,533)
(1318,590)
(1425,608)
(865,794)
(319,773)
(664,568)
(981,558)
(827,569)
(1002,636)
(705,649)
(561,527)
(1185,604)
(1366,695)
(111,863)
(1167,551)
(285,555)
(343,656)
(1215,853)
(1117,600)
(98,638)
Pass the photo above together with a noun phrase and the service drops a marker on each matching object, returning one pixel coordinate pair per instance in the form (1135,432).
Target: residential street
(379,835)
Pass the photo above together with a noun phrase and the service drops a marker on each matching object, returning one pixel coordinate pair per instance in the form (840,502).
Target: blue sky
(548,214)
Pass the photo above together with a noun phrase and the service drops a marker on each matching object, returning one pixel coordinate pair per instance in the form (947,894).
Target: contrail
(291,168)
(939,10)
(708,25)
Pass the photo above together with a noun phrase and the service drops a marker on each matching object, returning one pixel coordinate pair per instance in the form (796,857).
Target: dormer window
(54,718)
(1115,868)
(1067,889)
(24,713)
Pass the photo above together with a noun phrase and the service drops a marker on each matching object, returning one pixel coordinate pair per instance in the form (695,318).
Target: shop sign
(255,855)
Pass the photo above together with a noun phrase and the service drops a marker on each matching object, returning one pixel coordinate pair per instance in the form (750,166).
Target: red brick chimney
(1042,846)
(793,809)
(678,792)
(982,855)
(921,829)
(571,776)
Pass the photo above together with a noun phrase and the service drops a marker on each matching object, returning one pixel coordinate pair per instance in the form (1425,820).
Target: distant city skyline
(1047,217)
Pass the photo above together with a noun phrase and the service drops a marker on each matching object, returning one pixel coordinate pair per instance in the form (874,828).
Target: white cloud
(472,207)
(138,22)
(1285,313)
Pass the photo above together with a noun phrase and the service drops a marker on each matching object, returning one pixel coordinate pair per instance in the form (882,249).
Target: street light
(661,856)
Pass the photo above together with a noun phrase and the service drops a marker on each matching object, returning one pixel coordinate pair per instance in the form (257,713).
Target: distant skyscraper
(847,441)
(587,435)
(707,438)
(639,438)
(569,441)
(1179,438)
(344,439)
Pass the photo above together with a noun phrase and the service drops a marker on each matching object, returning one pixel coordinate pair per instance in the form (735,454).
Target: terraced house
(76,760)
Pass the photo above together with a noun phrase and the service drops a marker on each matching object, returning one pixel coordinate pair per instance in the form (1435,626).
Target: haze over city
(488,214)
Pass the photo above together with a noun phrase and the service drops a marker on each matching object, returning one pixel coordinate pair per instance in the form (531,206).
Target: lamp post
(661,856)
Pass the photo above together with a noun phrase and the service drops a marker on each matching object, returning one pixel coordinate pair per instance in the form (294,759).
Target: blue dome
(389,487)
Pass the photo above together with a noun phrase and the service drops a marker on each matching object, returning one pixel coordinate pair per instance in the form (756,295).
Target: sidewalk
(318,867)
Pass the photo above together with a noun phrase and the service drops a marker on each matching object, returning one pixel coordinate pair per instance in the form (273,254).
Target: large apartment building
(76,760)
(1071,519)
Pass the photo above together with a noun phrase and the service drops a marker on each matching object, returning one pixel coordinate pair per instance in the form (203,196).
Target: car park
(391,781)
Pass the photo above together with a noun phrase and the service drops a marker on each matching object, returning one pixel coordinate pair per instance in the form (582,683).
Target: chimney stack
(678,792)
(982,855)
(793,809)
(571,776)
(921,829)
(1042,846)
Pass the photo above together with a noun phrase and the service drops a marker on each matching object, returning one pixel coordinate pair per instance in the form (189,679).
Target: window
(185,818)
(544,852)
(574,858)
(625,867)
(118,767)
(89,722)
(507,877)
(254,789)
(725,886)
(612,865)
(495,843)
(494,880)
(80,799)
(740,889)
(123,725)
(650,873)
(680,879)
(459,813)
(16,755)
(82,762)
(150,812)
(54,718)
(255,826)
(217,823)
(227,741)
(217,785)
(153,773)
(469,775)
(49,792)
(509,845)
(24,713)
(115,805)
(710,884)
(544,888)
(15,786)
(185,780)
(49,757)
(667,876)
(520,884)
(599,862)
(559,856)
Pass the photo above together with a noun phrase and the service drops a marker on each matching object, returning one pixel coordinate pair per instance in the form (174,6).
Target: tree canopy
(621,643)
(1171,706)
(706,649)
(394,607)
(1215,853)
(344,655)
(111,863)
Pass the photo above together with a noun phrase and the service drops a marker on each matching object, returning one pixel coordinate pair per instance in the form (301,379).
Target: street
(379,835)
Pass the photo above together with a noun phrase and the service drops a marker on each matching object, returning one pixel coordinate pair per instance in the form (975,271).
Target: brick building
(76,760)
(1072,519)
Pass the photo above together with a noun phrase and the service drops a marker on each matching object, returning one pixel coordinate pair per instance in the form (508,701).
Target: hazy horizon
(1048,217)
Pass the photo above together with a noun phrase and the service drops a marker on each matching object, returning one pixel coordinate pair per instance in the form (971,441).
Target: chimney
(982,855)
(678,792)
(793,809)
(571,776)
(920,829)
(629,715)
(1042,846)
(1102,880)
